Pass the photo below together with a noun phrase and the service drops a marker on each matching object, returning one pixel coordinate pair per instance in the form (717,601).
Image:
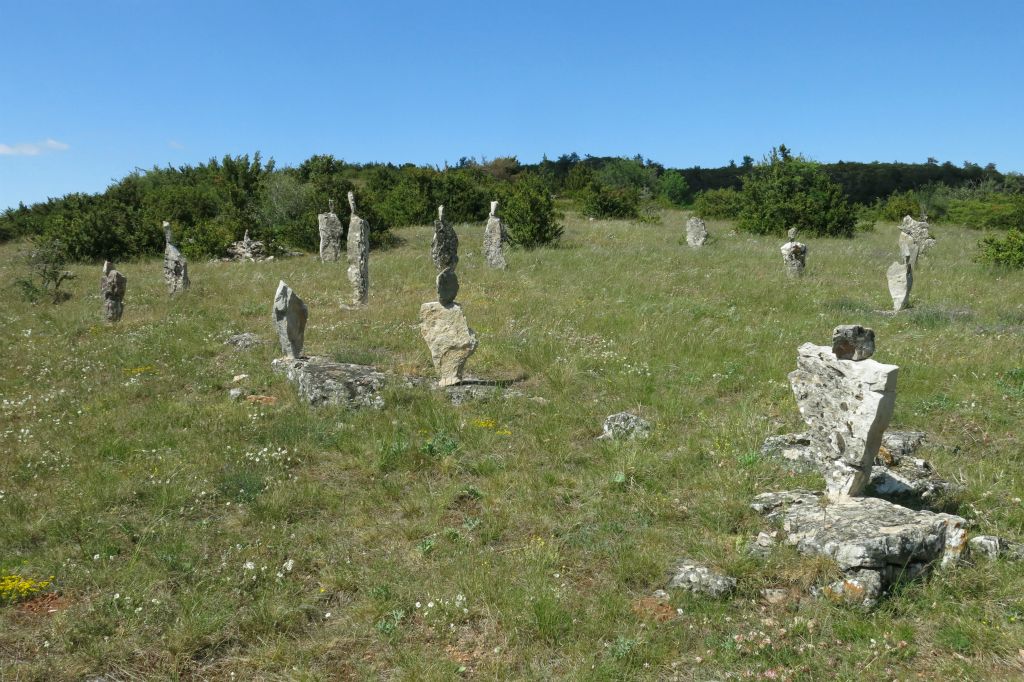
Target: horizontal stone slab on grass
(321,381)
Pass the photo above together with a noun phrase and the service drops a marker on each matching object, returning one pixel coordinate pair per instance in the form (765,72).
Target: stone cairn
(290,315)
(914,240)
(248,250)
(112,287)
(494,237)
(901,280)
(358,244)
(442,322)
(794,255)
(696,232)
(330,235)
(175,265)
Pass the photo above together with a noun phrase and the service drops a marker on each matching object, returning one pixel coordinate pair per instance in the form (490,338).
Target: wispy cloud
(33,148)
(174,144)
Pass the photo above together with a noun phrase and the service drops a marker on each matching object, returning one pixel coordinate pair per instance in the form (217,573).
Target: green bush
(724,204)
(602,201)
(528,211)
(900,204)
(996,211)
(786,191)
(210,237)
(1007,251)
(672,188)
(45,261)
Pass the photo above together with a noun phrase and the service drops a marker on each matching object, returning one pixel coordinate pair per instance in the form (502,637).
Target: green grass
(168,514)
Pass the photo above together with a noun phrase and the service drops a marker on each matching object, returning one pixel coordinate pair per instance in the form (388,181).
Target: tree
(529,212)
(672,188)
(785,191)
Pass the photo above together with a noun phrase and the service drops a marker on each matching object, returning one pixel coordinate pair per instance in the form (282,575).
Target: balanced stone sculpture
(330,235)
(846,405)
(442,322)
(494,238)
(290,315)
(853,342)
(901,280)
(175,265)
(112,287)
(794,255)
(358,244)
(914,240)
(696,232)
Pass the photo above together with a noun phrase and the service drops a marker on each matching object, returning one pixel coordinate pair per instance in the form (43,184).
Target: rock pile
(112,288)
(696,232)
(794,255)
(358,244)
(248,250)
(175,265)
(494,239)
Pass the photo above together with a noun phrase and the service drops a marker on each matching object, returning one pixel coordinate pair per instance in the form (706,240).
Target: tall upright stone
(794,255)
(330,235)
(901,280)
(290,315)
(175,265)
(494,238)
(112,288)
(358,244)
(442,322)
(696,232)
(914,240)
(847,405)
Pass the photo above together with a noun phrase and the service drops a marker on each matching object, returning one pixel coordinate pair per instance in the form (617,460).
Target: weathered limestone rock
(112,287)
(494,237)
(330,235)
(696,232)
(447,286)
(900,477)
(914,240)
(901,280)
(847,406)
(993,547)
(625,426)
(853,342)
(866,534)
(290,315)
(449,338)
(444,247)
(175,265)
(243,341)
(358,244)
(248,250)
(694,577)
(794,255)
(321,381)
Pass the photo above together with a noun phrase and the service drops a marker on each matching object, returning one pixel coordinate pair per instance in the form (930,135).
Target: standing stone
(794,255)
(330,235)
(847,405)
(696,232)
(914,240)
(358,255)
(175,265)
(449,338)
(494,237)
(447,286)
(290,315)
(901,280)
(444,247)
(112,287)
(853,342)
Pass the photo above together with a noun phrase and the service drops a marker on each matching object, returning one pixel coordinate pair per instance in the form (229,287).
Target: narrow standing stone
(444,247)
(358,255)
(112,287)
(494,238)
(794,255)
(449,338)
(330,235)
(290,315)
(175,265)
(901,280)
(696,232)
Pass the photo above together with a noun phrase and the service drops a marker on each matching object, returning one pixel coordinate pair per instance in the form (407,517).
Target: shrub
(46,260)
(996,211)
(1007,251)
(529,212)
(900,204)
(602,201)
(785,191)
(210,237)
(724,204)
(672,188)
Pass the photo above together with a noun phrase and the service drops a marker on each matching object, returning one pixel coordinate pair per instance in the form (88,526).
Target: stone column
(794,255)
(494,238)
(696,232)
(290,315)
(112,287)
(901,280)
(175,265)
(358,244)
(330,235)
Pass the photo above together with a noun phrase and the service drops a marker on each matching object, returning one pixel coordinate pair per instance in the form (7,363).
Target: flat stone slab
(625,426)
(321,381)
(700,579)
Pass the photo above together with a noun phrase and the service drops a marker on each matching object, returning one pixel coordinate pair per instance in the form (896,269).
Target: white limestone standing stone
(847,406)
(112,287)
(358,244)
(175,265)
(696,232)
(901,280)
(330,236)
(494,238)
(449,338)
(290,315)
(914,240)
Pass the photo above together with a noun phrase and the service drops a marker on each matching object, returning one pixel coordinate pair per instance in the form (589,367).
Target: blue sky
(95,89)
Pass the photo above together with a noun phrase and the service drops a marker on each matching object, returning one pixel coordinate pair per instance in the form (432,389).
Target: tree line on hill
(212,204)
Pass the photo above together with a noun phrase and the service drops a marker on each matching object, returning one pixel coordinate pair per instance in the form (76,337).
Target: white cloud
(174,144)
(33,148)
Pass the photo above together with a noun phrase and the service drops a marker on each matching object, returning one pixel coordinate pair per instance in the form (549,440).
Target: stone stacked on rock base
(494,239)
(914,240)
(794,255)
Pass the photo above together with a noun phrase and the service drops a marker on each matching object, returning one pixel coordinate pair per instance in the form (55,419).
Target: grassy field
(192,537)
